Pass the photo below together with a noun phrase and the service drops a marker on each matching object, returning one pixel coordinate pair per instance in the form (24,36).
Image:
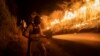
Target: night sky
(24,8)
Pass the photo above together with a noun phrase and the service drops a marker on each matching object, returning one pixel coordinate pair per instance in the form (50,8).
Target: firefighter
(34,35)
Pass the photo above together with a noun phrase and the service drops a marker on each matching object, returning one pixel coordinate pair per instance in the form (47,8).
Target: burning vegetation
(83,14)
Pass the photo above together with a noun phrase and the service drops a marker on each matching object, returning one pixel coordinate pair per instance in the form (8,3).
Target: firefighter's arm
(41,32)
(27,31)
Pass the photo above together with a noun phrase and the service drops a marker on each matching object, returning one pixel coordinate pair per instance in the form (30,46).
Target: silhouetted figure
(34,34)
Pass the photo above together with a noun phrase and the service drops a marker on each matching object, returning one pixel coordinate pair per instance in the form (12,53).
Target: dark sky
(23,8)
(26,7)
(38,5)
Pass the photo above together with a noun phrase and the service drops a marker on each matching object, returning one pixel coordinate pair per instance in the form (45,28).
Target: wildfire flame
(75,18)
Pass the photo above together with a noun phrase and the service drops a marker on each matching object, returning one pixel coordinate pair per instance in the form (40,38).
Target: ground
(77,44)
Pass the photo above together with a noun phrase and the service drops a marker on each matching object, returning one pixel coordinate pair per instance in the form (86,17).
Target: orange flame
(88,12)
